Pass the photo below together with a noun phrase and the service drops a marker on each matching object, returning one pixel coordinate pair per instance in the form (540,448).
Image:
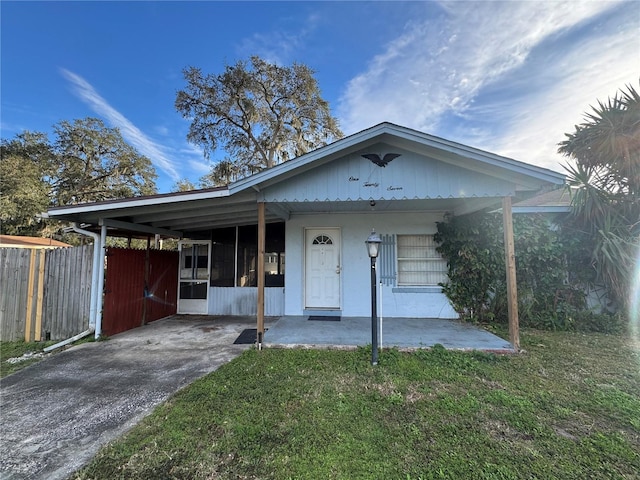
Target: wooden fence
(140,286)
(44,294)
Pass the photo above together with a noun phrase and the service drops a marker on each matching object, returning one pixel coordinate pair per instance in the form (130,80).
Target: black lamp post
(373,244)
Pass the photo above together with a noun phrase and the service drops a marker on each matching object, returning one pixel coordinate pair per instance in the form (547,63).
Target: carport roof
(185,213)
(170,214)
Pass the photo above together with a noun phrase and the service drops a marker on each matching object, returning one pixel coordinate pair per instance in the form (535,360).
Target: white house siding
(244,301)
(355,275)
(409,176)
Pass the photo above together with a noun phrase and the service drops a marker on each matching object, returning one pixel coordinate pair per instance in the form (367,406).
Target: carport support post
(260,269)
(510,262)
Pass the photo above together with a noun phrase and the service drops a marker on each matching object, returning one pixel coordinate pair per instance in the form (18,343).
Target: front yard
(568,408)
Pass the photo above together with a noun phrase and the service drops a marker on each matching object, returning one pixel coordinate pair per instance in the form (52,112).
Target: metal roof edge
(406,133)
(138,201)
(542,209)
(456,147)
(307,158)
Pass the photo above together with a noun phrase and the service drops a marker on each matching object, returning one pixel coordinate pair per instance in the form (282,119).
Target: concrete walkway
(55,415)
(396,332)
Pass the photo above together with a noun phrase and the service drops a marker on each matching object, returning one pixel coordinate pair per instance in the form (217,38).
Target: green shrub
(551,273)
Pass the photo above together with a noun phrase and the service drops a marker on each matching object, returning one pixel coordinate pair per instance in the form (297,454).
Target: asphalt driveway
(55,415)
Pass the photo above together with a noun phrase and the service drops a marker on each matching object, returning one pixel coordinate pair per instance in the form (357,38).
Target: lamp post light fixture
(373,245)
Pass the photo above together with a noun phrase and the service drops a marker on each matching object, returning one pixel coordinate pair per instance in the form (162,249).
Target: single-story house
(290,240)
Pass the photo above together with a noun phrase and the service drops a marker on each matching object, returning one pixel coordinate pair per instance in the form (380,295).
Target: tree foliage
(607,144)
(551,291)
(605,181)
(95,163)
(87,162)
(183,185)
(26,162)
(260,113)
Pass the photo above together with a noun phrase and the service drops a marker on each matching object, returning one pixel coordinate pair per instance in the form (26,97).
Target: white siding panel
(244,301)
(409,176)
(355,228)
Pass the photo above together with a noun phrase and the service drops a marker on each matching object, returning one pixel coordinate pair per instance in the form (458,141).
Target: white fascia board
(307,158)
(542,209)
(134,202)
(408,134)
(481,155)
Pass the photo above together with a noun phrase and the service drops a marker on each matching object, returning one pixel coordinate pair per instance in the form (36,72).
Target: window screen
(231,267)
(418,262)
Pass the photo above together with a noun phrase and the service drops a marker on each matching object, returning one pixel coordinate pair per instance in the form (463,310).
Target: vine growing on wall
(473,246)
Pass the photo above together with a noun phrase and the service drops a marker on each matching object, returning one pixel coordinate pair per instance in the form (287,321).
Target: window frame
(426,260)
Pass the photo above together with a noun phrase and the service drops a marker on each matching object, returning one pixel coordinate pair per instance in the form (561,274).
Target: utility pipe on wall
(93,305)
(103,243)
(87,332)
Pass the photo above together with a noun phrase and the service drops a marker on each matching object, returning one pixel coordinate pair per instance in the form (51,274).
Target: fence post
(30,295)
(40,295)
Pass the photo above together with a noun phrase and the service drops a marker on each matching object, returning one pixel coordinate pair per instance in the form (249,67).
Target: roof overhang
(172,215)
(184,214)
(527,177)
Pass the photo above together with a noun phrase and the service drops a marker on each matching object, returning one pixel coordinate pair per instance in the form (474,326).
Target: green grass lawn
(28,353)
(567,408)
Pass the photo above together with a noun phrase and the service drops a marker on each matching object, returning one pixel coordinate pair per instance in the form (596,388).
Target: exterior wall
(422,302)
(244,301)
(410,176)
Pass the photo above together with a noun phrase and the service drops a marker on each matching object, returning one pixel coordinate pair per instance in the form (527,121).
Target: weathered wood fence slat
(44,294)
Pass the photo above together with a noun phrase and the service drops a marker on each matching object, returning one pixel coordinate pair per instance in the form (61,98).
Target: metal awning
(172,215)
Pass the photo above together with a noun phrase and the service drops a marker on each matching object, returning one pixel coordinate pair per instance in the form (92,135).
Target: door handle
(338,269)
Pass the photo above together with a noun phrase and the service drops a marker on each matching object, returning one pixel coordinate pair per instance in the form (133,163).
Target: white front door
(193,279)
(322,268)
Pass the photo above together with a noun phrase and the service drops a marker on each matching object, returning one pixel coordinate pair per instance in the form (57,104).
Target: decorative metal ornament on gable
(381,162)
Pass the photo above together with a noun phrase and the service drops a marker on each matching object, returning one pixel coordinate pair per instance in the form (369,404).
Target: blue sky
(508,77)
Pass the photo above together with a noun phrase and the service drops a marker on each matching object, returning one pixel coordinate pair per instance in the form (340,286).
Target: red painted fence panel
(162,297)
(128,302)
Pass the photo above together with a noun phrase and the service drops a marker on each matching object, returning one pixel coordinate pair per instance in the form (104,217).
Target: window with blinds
(418,262)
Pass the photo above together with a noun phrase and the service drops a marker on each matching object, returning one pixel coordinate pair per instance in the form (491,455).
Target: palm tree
(605,185)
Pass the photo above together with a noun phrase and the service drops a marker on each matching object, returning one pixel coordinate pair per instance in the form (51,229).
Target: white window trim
(399,259)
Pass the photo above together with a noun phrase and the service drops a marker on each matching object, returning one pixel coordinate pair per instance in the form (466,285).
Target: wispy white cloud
(129,131)
(440,68)
(162,130)
(279,46)
(199,167)
(590,70)
(198,164)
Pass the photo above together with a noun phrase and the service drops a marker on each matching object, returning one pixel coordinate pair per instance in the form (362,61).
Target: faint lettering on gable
(390,188)
(367,184)
(353,179)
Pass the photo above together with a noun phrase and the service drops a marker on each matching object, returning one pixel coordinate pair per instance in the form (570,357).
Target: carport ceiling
(183,215)
(169,214)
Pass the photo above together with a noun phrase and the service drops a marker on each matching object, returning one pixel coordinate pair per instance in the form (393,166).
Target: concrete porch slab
(396,332)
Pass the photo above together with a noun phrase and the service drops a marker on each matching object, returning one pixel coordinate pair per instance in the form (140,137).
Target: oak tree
(86,162)
(26,164)
(260,113)
(95,163)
